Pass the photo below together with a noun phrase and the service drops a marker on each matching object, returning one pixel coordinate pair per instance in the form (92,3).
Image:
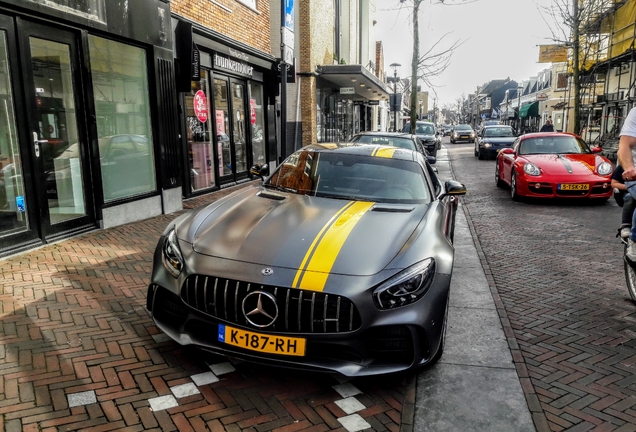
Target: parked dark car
(340,261)
(462,132)
(448,129)
(427,133)
(492,139)
(394,139)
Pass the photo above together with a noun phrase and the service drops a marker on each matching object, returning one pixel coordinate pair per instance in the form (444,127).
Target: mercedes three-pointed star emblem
(260,309)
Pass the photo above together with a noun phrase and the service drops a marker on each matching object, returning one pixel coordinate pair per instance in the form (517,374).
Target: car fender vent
(270,195)
(393,209)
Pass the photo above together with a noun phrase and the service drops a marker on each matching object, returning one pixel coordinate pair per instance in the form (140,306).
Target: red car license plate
(573,186)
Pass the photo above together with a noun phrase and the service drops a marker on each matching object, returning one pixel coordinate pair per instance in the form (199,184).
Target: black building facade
(87,117)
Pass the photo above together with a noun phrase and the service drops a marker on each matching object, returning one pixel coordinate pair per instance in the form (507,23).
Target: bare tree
(572,23)
(435,60)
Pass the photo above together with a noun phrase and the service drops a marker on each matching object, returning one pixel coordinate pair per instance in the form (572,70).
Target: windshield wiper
(342,197)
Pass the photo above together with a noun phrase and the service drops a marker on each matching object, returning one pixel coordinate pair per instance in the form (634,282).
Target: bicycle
(629,268)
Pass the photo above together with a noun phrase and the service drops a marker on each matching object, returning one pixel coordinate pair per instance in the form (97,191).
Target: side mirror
(507,151)
(596,149)
(454,188)
(261,170)
(431,159)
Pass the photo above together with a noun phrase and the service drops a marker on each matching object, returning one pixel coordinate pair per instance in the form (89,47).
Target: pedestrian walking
(547,127)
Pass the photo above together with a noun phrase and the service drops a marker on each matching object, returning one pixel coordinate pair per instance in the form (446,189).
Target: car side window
(515,145)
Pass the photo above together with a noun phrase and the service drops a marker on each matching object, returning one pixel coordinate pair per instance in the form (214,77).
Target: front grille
(168,308)
(392,344)
(299,311)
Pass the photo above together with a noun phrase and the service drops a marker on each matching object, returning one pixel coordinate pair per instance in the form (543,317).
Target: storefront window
(120,86)
(91,9)
(238,107)
(12,200)
(199,135)
(222,127)
(257,119)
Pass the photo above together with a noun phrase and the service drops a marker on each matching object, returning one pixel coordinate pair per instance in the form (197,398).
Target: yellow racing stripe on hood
(316,266)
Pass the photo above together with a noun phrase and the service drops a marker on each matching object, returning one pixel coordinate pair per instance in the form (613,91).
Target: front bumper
(385,341)
(546,187)
(466,138)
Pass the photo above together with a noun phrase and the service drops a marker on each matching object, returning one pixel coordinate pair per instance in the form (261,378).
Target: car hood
(292,231)
(498,140)
(426,136)
(566,164)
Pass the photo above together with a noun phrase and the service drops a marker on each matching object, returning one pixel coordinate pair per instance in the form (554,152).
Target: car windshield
(463,128)
(420,128)
(351,177)
(499,132)
(385,140)
(553,145)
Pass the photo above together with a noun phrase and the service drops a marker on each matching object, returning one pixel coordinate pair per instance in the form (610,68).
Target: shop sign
(196,65)
(232,66)
(347,90)
(253,111)
(200,106)
(542,97)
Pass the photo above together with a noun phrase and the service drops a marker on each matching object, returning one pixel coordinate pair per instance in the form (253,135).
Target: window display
(122,107)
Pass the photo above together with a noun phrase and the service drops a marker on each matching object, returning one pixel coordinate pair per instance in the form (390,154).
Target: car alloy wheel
(476,151)
(513,186)
(480,155)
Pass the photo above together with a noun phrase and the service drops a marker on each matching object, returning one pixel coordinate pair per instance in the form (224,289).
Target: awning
(356,80)
(530,110)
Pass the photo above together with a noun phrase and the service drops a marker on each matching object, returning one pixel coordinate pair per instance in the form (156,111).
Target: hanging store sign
(200,103)
(553,53)
(233,66)
(347,90)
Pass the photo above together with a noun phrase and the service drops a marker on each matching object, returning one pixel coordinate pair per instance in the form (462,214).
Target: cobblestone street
(557,275)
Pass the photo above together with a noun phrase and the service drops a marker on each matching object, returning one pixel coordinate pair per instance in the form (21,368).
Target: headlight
(472,135)
(407,286)
(486,145)
(531,169)
(171,256)
(604,168)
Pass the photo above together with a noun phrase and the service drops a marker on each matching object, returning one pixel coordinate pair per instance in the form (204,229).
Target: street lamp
(395,67)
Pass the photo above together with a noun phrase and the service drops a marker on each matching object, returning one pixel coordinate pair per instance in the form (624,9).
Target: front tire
(452,141)
(630,278)
(498,181)
(442,342)
(513,187)
(480,155)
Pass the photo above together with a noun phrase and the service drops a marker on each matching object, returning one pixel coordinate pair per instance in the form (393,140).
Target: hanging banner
(553,53)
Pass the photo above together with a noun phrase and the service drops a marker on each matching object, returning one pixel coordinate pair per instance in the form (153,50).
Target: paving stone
(346,390)
(163,402)
(184,390)
(350,405)
(81,398)
(222,368)
(354,423)
(204,378)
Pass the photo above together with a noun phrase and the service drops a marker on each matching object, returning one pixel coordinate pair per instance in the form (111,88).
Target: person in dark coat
(547,127)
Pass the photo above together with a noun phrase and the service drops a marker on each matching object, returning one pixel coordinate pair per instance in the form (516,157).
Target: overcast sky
(500,40)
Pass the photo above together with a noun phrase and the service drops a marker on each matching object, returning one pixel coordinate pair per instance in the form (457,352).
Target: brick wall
(231,18)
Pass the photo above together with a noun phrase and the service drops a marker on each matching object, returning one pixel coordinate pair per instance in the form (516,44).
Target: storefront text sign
(232,66)
(201,106)
(347,90)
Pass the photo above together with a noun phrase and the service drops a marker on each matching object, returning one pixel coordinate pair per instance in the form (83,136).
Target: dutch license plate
(464,136)
(261,342)
(573,186)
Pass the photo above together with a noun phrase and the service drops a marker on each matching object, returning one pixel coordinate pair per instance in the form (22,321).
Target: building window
(249,3)
(562,81)
(94,10)
(199,134)
(122,108)
(12,199)
(257,119)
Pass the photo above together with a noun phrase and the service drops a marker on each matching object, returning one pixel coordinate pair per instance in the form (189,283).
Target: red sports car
(553,165)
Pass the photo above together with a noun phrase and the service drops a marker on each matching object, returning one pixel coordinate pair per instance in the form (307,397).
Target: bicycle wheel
(630,277)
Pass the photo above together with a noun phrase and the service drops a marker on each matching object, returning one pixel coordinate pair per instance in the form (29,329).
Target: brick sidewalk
(79,352)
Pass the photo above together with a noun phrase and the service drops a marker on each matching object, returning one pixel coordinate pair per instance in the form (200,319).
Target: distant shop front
(228,118)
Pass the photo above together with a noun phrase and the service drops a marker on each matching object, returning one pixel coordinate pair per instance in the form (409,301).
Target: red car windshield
(553,145)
